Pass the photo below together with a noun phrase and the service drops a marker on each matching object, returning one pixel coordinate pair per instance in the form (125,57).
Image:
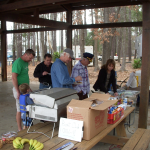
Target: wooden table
(56,142)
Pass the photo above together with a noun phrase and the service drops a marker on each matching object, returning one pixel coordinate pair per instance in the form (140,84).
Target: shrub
(55,55)
(137,63)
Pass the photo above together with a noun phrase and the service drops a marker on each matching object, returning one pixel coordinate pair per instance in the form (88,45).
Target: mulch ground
(92,75)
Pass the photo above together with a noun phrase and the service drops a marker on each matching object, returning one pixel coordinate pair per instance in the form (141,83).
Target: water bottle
(125,101)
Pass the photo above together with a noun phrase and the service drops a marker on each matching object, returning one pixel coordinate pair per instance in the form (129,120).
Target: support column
(3,52)
(145,73)
(69,38)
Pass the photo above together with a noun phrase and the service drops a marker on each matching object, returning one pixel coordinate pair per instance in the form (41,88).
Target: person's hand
(18,95)
(116,94)
(44,73)
(78,78)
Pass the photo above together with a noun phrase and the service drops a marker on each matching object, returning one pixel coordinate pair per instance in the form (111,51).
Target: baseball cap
(89,56)
(69,51)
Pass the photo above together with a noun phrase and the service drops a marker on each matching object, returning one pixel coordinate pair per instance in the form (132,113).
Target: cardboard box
(92,111)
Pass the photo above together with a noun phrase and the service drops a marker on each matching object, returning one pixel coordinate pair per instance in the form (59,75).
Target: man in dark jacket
(42,71)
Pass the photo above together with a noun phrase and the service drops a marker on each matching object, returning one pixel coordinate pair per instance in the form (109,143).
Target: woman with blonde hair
(106,77)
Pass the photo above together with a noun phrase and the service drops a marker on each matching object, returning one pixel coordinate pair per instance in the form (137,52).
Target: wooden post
(36,13)
(144,94)
(3,52)
(69,38)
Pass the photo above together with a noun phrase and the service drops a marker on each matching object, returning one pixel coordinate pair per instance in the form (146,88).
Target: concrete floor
(8,113)
(8,107)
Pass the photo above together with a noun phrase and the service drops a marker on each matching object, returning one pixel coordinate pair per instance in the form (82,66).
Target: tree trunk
(19,43)
(38,57)
(45,43)
(42,46)
(96,67)
(51,35)
(129,38)
(85,30)
(54,34)
(33,37)
(81,35)
(105,45)
(92,17)
(119,45)
(123,65)
(62,47)
(81,42)
(75,45)
(14,42)
(28,38)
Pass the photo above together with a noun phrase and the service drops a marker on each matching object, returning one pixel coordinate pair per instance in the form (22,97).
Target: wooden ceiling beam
(30,30)
(41,11)
(33,20)
(105,25)
(67,7)
(36,3)
(27,6)
(103,5)
(108,25)
(36,13)
(23,4)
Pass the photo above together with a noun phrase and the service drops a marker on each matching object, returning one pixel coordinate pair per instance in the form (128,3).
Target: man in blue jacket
(59,71)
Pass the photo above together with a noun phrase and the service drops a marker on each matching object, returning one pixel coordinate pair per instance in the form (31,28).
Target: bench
(139,140)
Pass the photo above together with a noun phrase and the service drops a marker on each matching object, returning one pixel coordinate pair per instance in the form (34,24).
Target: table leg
(120,129)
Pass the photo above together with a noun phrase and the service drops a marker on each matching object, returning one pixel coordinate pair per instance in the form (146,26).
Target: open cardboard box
(92,111)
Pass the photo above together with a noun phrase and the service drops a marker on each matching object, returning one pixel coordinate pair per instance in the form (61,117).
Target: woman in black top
(106,77)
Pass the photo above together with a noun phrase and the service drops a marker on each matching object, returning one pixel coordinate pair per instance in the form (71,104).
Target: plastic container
(113,118)
(9,137)
(138,77)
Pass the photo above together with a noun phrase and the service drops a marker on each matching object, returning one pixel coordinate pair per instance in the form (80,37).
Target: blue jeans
(42,86)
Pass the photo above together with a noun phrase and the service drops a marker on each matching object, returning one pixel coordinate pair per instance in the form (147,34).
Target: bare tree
(14,48)
(62,47)
(92,16)
(19,42)
(81,33)
(129,37)
(33,39)
(38,57)
(105,45)
(119,45)
(123,65)
(54,35)
(28,38)
(113,18)
(85,30)
(96,68)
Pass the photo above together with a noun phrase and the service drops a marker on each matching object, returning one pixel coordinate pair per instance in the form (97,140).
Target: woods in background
(105,41)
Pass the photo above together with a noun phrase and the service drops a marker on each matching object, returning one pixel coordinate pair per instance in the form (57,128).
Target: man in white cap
(59,71)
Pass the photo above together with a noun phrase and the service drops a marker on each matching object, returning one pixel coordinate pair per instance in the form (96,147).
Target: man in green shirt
(20,76)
